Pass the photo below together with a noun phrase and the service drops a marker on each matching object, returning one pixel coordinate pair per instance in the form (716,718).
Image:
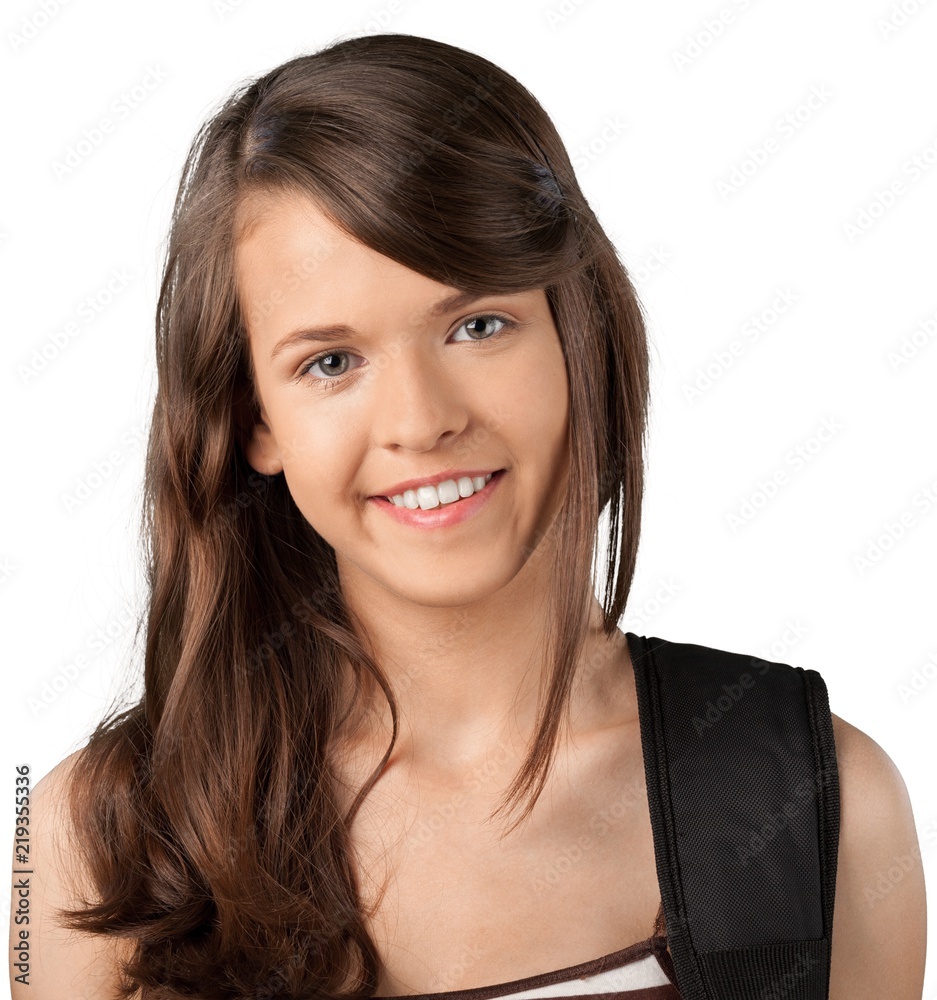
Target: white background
(659,111)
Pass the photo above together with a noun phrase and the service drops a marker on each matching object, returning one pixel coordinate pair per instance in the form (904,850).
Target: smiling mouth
(444,494)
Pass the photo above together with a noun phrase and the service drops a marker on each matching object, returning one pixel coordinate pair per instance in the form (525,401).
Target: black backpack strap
(743,792)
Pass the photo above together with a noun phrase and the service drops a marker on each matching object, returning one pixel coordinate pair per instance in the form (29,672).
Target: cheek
(319,461)
(538,403)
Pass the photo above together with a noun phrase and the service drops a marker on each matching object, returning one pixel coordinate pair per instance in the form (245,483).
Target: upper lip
(433,479)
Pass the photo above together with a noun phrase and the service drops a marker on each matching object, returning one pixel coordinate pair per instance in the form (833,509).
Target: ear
(254,434)
(260,450)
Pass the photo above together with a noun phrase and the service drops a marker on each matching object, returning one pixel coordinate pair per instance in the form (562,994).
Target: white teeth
(428,497)
(448,491)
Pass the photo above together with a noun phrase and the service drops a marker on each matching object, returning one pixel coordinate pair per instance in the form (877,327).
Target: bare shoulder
(57,963)
(879,914)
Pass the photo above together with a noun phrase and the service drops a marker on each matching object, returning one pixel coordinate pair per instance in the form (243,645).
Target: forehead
(296,267)
(287,248)
(282,224)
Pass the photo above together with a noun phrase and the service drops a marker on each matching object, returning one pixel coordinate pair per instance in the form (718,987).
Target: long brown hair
(207,812)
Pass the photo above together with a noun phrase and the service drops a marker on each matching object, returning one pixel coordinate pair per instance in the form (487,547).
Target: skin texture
(457,621)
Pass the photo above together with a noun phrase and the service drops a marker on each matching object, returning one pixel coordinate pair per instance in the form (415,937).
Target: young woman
(389,740)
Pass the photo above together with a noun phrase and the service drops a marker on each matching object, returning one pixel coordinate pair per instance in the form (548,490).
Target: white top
(642,971)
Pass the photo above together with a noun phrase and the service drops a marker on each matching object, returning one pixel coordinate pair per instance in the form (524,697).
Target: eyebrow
(330,334)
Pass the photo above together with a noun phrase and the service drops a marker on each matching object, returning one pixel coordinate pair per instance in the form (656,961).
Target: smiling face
(403,386)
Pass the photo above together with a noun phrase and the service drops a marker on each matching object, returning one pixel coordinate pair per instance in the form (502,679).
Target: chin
(453,587)
(454,595)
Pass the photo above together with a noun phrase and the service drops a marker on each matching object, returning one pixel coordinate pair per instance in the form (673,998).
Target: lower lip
(446,514)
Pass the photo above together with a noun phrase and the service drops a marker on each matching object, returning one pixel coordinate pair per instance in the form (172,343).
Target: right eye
(335,370)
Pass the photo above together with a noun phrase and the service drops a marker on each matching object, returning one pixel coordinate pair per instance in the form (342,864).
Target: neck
(467,679)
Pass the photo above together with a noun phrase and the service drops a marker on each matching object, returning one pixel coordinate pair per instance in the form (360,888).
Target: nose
(417,401)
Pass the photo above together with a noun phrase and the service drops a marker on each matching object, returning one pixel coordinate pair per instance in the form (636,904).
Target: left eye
(477,324)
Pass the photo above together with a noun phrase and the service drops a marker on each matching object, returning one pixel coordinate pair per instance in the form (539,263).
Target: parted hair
(206,814)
